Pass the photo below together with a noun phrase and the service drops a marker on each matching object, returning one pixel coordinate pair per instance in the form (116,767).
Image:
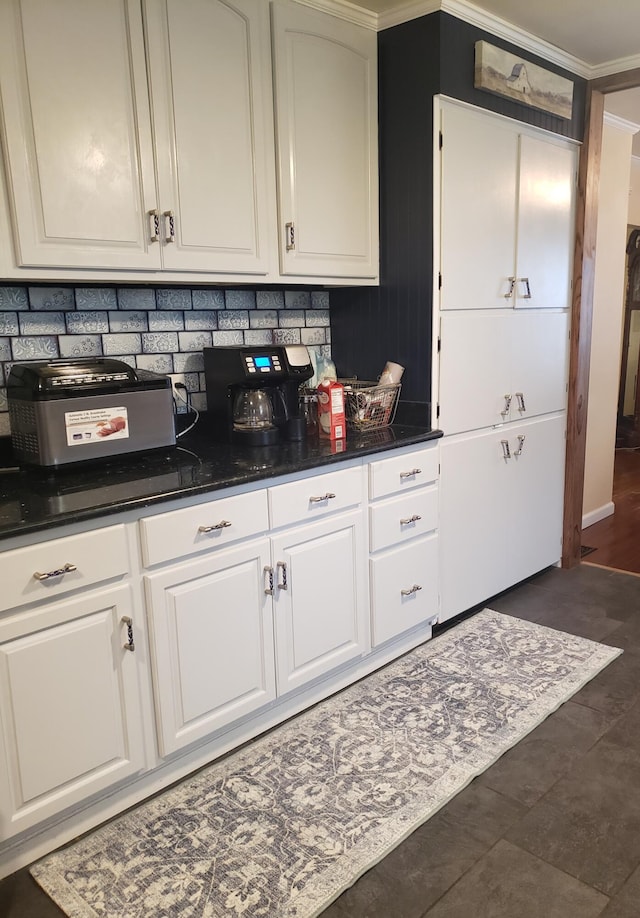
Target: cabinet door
(538,356)
(325,99)
(70,723)
(211,643)
(545,224)
(534,514)
(320,598)
(475,377)
(77,133)
(475,491)
(478,210)
(211,79)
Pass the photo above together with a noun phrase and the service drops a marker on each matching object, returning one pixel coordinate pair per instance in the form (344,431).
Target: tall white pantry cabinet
(506,229)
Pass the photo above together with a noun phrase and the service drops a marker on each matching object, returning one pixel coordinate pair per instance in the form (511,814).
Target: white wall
(608,309)
(634,192)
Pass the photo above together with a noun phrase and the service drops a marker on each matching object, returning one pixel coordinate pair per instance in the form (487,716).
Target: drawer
(401,473)
(401,518)
(404,588)
(58,566)
(315,497)
(180,533)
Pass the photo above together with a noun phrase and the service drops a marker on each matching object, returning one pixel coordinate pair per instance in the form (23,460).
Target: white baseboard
(600,513)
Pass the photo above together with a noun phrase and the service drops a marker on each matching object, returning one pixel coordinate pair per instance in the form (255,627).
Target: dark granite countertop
(32,500)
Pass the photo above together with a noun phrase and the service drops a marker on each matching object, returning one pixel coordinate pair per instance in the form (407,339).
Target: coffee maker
(252,392)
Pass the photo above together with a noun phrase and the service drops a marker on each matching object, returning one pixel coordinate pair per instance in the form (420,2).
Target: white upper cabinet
(210,77)
(83,141)
(326,139)
(507,214)
(78,149)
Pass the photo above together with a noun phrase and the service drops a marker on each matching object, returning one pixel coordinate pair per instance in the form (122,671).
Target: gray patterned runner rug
(283,826)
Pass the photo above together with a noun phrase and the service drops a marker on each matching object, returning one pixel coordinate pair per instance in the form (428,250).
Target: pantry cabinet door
(211,81)
(479,161)
(320,601)
(326,115)
(77,133)
(475,370)
(70,719)
(211,643)
(534,515)
(545,224)
(475,493)
(539,361)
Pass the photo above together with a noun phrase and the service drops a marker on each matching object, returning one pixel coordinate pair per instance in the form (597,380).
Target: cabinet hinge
(439,280)
(440,140)
(437,411)
(439,344)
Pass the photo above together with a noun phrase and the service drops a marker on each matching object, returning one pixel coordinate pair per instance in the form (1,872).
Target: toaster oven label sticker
(96,425)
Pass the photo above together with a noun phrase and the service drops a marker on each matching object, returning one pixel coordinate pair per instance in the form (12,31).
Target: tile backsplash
(160,329)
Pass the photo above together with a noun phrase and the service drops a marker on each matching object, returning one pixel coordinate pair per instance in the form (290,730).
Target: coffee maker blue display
(252,392)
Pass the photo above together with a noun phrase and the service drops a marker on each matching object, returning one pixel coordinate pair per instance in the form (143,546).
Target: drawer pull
(411,474)
(320,500)
(414,589)
(410,519)
(59,573)
(268,587)
(223,524)
(282,584)
(130,645)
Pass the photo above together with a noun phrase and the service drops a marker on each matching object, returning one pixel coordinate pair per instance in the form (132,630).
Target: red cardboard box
(331,418)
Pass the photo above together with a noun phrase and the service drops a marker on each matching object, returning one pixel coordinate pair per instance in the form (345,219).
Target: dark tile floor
(552,830)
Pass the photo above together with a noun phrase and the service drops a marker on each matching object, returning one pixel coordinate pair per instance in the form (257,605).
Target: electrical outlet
(179,395)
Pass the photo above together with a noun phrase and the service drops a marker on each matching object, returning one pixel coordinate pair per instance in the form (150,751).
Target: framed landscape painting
(505,74)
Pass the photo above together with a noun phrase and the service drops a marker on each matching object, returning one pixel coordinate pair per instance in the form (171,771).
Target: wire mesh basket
(368,405)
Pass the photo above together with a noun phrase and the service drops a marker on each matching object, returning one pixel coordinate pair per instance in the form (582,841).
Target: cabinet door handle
(154,225)
(170,226)
(282,569)
(319,500)
(411,474)
(525,281)
(414,589)
(521,439)
(507,406)
(223,524)
(130,645)
(512,285)
(410,519)
(268,582)
(290,233)
(521,404)
(60,572)
(506,452)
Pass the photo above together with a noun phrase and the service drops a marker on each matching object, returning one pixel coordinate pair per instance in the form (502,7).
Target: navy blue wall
(417,60)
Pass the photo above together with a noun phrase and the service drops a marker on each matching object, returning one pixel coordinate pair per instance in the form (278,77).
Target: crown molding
(413,9)
(611,67)
(621,124)
(349,12)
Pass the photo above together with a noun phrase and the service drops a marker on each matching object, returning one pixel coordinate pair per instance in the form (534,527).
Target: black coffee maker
(252,392)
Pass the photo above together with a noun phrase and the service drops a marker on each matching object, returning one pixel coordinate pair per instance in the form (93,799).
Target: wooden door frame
(582,306)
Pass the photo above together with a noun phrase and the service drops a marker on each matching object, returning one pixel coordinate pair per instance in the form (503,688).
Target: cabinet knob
(414,589)
(60,572)
(223,524)
(411,474)
(319,500)
(410,519)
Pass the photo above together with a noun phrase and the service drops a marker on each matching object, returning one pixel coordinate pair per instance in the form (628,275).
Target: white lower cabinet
(319,598)
(404,588)
(70,721)
(211,643)
(501,498)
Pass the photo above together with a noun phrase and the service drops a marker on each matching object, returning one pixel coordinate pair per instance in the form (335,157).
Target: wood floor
(617,538)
